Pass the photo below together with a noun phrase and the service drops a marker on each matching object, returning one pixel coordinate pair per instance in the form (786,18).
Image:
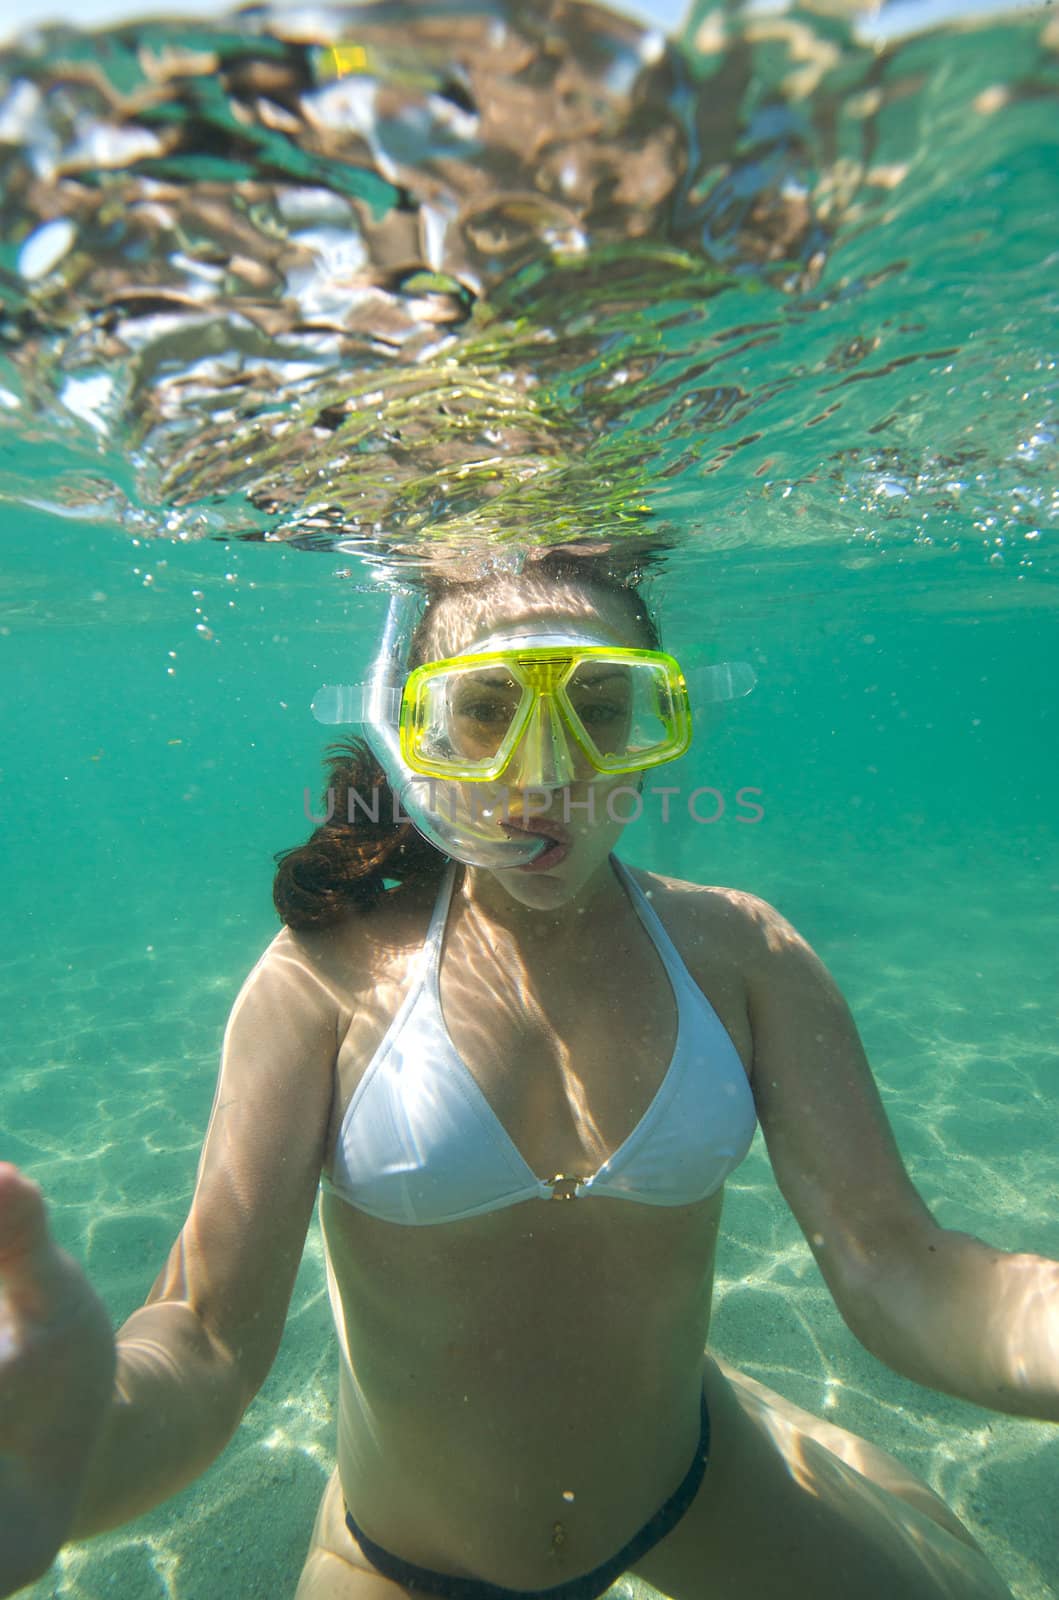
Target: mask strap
(725,680)
(337,703)
(378,702)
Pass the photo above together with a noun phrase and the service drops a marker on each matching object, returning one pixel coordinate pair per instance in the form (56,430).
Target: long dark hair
(351,860)
(361,852)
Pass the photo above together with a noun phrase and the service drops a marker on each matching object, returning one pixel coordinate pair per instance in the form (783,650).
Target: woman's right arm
(191,1360)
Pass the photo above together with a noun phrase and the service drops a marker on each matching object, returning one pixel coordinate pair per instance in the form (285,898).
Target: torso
(539,1365)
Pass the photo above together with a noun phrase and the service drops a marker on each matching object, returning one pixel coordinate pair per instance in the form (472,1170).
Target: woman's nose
(543,758)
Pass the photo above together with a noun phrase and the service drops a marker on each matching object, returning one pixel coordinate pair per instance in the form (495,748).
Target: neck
(588,913)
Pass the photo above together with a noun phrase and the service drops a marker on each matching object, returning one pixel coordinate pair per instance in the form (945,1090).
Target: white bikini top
(419,1142)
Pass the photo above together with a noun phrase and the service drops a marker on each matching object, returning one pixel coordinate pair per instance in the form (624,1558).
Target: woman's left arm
(938,1306)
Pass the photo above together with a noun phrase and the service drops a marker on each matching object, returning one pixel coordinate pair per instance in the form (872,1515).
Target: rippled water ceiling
(405,277)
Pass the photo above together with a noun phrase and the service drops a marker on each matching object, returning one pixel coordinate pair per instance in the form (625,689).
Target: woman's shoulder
(344,958)
(742,924)
(687,898)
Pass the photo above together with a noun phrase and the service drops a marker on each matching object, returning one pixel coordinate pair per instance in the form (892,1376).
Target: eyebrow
(506,680)
(593,682)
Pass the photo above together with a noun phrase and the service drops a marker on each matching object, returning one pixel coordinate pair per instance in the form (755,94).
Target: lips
(546,829)
(542,827)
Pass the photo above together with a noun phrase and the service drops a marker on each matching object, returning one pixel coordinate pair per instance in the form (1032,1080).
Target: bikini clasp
(563,1186)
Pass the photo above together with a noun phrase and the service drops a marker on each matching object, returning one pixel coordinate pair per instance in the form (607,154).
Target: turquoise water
(849,447)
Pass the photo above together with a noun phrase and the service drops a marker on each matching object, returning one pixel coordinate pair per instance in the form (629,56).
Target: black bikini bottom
(588,1586)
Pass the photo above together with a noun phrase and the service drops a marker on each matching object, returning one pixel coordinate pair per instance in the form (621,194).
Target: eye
(599,713)
(486,713)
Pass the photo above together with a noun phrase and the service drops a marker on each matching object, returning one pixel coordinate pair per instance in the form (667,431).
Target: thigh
(783,1419)
(335,1568)
(782,1513)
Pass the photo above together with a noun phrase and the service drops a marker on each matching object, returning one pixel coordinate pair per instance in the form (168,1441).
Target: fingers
(28,1259)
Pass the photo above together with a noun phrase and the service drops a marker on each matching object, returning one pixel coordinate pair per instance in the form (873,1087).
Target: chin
(544,890)
(537,892)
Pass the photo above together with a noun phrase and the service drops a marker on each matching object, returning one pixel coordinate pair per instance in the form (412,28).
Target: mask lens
(463,716)
(482,705)
(625,710)
(601,696)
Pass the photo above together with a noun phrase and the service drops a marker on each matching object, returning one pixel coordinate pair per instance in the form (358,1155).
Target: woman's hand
(56,1379)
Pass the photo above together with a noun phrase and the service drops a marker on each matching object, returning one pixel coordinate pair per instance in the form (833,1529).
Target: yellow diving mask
(521,709)
(564,704)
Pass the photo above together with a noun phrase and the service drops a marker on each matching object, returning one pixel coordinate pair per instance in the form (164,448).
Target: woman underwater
(524,1083)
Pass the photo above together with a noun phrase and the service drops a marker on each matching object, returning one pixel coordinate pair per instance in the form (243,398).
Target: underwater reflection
(389,278)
